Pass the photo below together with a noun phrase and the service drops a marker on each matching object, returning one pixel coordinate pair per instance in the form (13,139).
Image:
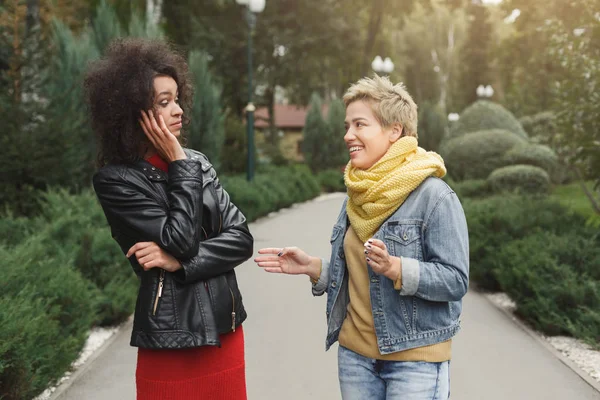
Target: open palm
(289,260)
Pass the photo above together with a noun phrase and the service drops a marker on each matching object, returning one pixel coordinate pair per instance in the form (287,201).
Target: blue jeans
(363,378)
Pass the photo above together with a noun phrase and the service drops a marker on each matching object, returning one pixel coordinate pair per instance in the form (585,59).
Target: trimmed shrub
(53,278)
(74,226)
(474,188)
(485,115)
(522,178)
(14,229)
(475,155)
(331,181)
(272,189)
(496,221)
(539,125)
(32,350)
(555,282)
(533,154)
(47,329)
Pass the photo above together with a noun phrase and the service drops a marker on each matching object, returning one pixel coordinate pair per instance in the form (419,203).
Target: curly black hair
(121,84)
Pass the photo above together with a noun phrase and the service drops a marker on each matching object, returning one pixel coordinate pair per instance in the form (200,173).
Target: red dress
(201,373)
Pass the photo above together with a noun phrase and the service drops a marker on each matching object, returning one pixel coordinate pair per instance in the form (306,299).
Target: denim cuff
(411,272)
(321,286)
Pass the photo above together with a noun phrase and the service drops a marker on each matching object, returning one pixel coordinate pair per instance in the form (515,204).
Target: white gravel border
(96,338)
(575,350)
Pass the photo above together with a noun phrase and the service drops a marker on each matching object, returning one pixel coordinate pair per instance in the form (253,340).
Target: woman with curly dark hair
(175,223)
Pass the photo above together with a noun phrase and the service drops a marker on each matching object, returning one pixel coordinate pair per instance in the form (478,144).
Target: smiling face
(166,103)
(366,139)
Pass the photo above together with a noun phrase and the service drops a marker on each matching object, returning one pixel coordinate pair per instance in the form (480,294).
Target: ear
(396,133)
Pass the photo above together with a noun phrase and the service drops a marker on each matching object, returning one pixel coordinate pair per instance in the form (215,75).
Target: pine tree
(206,132)
(338,153)
(315,129)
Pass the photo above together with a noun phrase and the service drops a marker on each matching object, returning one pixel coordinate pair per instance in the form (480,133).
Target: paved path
(493,359)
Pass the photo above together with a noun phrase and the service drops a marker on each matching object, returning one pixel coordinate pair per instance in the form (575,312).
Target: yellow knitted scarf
(376,193)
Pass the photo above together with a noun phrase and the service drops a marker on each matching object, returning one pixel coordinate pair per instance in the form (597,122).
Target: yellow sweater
(358,329)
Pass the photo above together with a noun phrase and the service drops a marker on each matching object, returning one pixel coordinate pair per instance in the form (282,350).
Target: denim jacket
(429,233)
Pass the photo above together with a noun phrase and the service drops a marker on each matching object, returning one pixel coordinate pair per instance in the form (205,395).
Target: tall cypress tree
(338,153)
(315,130)
(206,132)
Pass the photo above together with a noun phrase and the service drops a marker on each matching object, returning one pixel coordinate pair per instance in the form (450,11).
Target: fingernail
(280,254)
(370,241)
(368,259)
(366,252)
(369,246)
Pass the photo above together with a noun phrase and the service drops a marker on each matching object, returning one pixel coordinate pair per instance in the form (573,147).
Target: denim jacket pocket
(336,232)
(404,239)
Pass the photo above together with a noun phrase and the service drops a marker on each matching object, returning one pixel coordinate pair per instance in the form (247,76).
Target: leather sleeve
(222,253)
(139,214)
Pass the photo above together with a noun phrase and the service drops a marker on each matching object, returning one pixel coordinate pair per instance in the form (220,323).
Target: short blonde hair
(390,103)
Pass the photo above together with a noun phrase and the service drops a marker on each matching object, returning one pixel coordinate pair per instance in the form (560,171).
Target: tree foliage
(206,132)
(314,148)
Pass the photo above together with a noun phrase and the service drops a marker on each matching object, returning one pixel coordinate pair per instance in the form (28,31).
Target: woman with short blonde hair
(400,255)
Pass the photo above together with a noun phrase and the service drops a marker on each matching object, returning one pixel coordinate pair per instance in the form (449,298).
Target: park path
(493,358)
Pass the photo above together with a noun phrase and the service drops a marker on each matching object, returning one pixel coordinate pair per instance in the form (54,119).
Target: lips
(354,149)
(176,125)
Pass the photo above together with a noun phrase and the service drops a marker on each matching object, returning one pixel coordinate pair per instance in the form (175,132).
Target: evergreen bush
(331,180)
(485,115)
(496,221)
(474,188)
(475,155)
(554,279)
(539,125)
(522,178)
(533,154)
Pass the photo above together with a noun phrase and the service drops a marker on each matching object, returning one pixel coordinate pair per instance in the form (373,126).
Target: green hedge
(522,178)
(533,154)
(331,181)
(539,125)
(486,115)
(555,281)
(474,188)
(475,155)
(68,275)
(273,188)
(496,221)
(543,255)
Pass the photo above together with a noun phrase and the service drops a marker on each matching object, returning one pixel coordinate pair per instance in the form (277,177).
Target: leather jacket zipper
(161,281)
(233,310)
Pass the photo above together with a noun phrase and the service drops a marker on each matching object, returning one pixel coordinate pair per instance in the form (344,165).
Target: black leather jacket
(189,215)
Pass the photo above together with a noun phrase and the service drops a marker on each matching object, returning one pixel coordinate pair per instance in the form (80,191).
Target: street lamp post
(253,7)
(382,66)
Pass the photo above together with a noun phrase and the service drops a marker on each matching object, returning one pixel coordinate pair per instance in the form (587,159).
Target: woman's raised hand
(165,143)
(288,260)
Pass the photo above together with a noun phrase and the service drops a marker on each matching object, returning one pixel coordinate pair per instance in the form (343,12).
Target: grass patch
(573,196)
